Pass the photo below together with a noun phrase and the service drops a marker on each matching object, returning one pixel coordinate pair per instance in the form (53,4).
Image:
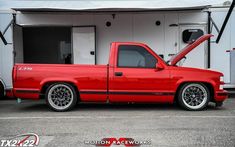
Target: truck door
(135,78)
(83,45)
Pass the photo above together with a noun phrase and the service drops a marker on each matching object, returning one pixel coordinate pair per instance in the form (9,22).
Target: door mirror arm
(159,66)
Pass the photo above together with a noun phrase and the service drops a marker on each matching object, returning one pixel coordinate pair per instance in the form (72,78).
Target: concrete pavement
(163,125)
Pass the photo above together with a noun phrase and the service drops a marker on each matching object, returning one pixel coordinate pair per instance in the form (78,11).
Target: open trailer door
(83,45)
(18,44)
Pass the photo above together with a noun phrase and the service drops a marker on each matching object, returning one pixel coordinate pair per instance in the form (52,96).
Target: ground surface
(164,125)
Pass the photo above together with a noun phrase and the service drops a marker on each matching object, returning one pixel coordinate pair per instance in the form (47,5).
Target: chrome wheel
(60,97)
(194,96)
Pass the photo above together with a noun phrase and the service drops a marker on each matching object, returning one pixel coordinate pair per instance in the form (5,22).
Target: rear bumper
(221,95)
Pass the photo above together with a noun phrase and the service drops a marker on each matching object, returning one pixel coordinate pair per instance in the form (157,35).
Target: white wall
(145,30)
(6,56)
(125,27)
(171,42)
(232,24)
(220,59)
(128,27)
(120,30)
(139,27)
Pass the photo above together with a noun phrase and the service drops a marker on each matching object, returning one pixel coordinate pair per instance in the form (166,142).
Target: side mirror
(159,66)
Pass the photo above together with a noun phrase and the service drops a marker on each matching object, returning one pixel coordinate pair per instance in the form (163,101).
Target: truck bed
(30,78)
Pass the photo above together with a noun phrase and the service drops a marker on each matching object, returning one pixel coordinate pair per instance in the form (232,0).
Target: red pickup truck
(134,74)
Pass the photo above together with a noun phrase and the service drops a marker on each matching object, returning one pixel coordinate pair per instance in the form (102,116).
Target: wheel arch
(209,85)
(48,83)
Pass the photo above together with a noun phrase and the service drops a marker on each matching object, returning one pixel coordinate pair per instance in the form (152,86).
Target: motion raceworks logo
(108,142)
(22,140)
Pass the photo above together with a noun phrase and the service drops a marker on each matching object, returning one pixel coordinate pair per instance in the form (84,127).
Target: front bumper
(221,95)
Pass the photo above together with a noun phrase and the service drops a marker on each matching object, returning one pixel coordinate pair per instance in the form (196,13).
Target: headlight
(222,81)
(221,78)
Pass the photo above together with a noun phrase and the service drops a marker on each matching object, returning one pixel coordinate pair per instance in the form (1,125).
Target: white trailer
(83,37)
(220,52)
(6,52)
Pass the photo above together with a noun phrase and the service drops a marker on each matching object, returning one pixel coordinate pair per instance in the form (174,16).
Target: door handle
(118,74)
(171,55)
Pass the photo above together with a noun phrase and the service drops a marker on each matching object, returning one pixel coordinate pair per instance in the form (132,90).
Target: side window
(191,35)
(135,56)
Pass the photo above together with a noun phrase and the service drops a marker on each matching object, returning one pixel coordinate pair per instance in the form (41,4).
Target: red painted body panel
(98,83)
(138,81)
(85,77)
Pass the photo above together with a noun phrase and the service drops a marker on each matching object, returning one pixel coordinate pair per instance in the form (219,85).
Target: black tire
(59,94)
(193,96)
(1,91)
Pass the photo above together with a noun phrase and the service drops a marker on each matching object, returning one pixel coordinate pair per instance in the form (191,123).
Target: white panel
(197,57)
(44,19)
(219,57)
(1,46)
(193,17)
(6,56)
(82,20)
(232,28)
(232,46)
(5,20)
(54,19)
(1,56)
(83,45)
(146,31)
(7,65)
(104,37)
(171,35)
(120,30)
(114,5)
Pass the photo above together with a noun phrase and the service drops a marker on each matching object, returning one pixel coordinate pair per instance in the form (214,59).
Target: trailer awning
(108,5)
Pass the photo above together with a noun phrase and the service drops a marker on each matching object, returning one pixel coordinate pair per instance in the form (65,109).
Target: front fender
(181,81)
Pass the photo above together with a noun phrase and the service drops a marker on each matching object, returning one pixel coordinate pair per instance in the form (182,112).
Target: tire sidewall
(74,101)
(180,98)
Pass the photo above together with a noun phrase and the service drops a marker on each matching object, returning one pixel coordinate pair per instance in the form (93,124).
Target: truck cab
(136,72)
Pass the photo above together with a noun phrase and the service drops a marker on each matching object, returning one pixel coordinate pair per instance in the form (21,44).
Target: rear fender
(54,80)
